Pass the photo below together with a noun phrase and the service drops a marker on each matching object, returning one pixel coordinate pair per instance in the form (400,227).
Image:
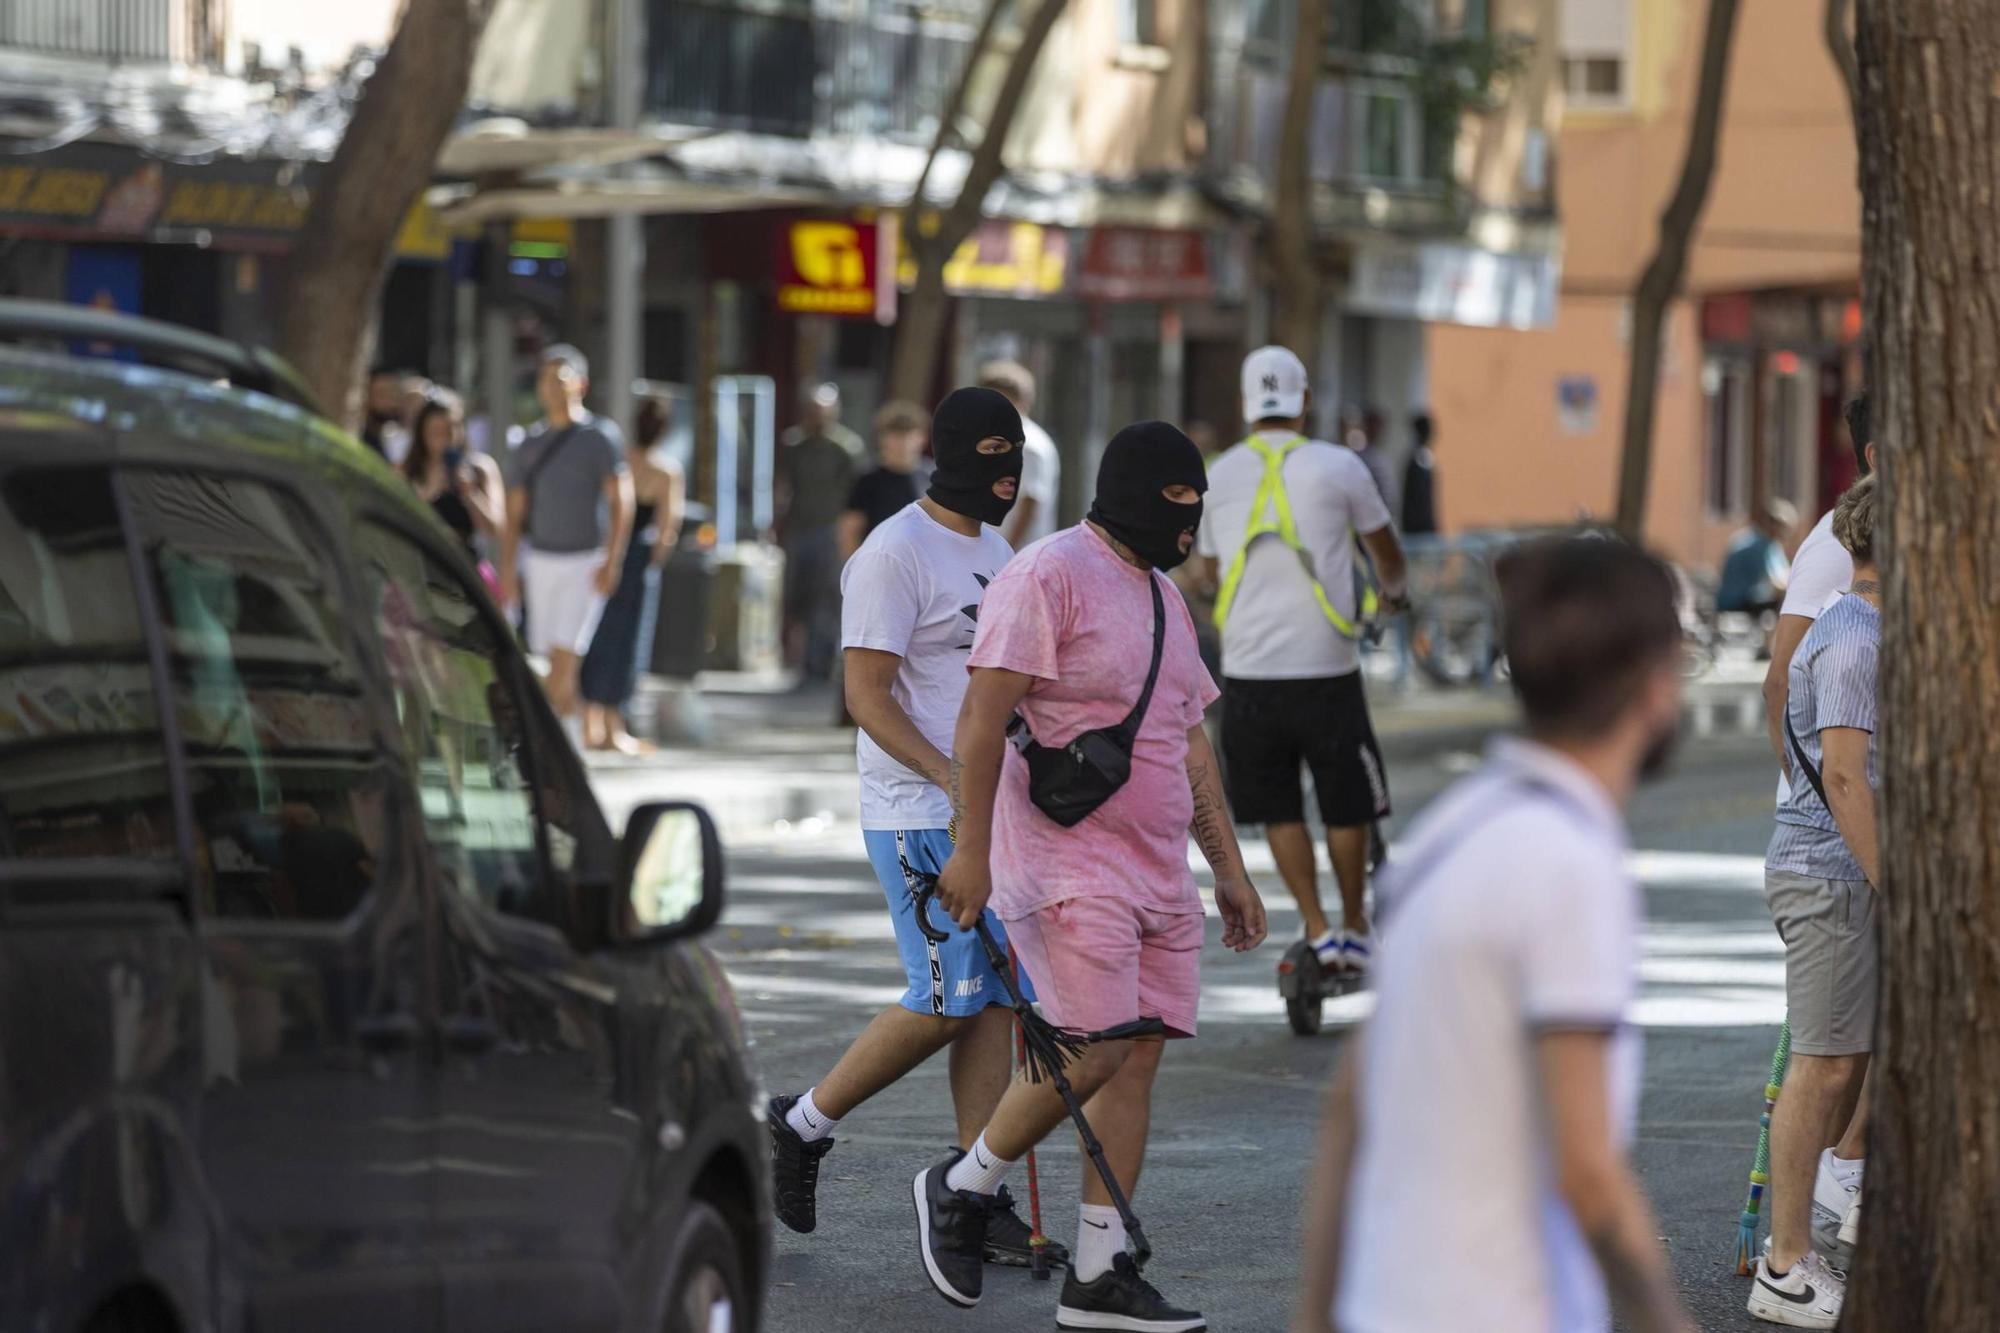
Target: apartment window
(1139,23)
(1386,133)
(1726,387)
(1597,52)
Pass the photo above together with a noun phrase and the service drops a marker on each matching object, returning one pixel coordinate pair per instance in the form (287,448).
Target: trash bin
(746,609)
(682,642)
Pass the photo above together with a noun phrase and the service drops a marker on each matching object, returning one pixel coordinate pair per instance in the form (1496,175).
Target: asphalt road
(807,942)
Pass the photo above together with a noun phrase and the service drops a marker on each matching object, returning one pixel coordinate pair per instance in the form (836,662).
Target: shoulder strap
(535,469)
(1271,497)
(1805,764)
(1128,730)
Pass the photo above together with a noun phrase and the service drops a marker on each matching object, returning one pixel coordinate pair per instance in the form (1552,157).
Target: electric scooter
(1304,984)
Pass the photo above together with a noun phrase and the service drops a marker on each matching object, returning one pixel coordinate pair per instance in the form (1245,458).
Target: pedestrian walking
(624,639)
(1034,515)
(1755,570)
(1420,480)
(384,426)
(1279,547)
(817,463)
(1473,1166)
(1819,878)
(570,499)
(885,489)
(1080,845)
(463,487)
(911,601)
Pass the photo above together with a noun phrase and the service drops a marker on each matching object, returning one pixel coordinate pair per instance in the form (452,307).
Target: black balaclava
(1140,462)
(963,482)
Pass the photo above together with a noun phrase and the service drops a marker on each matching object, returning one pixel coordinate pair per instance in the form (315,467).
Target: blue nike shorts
(953,978)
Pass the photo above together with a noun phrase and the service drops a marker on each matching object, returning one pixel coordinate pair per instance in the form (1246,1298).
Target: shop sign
(828,268)
(1449,283)
(1144,264)
(1017,259)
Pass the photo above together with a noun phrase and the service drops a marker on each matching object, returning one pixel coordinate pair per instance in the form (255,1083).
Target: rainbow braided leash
(1760,1168)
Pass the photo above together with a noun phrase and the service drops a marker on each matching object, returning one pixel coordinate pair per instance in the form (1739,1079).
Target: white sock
(979,1170)
(1100,1238)
(808,1121)
(1848,1173)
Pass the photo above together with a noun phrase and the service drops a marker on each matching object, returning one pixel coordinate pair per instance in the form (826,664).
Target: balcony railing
(793,71)
(188,32)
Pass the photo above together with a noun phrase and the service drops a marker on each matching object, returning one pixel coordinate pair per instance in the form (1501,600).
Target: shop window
(1726,388)
(288,785)
(82,766)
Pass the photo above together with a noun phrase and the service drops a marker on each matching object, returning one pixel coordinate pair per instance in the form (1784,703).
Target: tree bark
(1930,231)
(342,257)
(1296,323)
(920,317)
(1662,277)
(1840,46)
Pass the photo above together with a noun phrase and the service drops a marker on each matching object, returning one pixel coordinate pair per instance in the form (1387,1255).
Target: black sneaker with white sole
(1121,1299)
(794,1168)
(1010,1241)
(951,1233)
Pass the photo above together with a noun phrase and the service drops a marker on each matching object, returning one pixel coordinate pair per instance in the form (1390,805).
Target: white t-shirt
(913,589)
(1510,914)
(1821,571)
(1276,630)
(1041,480)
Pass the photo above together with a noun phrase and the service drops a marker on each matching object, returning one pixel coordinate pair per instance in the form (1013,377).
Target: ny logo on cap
(1270,384)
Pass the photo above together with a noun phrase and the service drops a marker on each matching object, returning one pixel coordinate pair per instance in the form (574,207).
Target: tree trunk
(1296,322)
(1662,278)
(1929,234)
(920,317)
(341,260)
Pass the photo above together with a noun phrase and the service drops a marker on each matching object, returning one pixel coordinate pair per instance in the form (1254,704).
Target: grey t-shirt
(563,469)
(1832,685)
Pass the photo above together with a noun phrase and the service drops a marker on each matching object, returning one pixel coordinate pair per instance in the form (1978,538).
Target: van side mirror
(669,873)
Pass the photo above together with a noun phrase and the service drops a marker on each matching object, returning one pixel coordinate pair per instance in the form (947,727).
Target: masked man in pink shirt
(1080,843)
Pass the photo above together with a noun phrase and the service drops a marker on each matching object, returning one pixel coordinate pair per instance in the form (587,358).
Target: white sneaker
(1834,1193)
(1357,949)
(1850,1226)
(1809,1296)
(1326,948)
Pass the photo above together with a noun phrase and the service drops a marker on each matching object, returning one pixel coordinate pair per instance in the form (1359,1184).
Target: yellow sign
(1001,259)
(52,191)
(828,269)
(422,236)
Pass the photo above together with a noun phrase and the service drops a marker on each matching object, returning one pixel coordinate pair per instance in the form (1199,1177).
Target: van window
(289,787)
(82,767)
(461,723)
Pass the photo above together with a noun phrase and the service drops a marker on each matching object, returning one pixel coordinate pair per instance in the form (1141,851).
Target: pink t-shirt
(1069,612)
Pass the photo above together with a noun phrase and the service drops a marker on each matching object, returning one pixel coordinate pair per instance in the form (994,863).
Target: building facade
(1762,344)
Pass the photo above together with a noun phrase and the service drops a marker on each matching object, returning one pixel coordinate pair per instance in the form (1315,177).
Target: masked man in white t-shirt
(1279,536)
(910,602)
(1473,1169)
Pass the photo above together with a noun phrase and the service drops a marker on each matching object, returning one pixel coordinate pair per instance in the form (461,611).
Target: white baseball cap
(1274,384)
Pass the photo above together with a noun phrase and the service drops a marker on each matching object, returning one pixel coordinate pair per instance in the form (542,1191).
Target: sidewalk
(764,757)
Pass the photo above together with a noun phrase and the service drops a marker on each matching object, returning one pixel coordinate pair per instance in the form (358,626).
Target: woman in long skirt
(624,639)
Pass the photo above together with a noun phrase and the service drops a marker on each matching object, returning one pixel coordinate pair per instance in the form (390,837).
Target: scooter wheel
(1303,1012)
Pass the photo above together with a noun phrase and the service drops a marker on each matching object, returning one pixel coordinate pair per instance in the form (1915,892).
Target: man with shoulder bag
(1079,839)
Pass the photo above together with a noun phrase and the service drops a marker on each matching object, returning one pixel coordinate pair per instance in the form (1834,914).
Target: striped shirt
(1832,684)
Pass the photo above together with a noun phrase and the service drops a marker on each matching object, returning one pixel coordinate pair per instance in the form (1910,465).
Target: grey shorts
(1831,961)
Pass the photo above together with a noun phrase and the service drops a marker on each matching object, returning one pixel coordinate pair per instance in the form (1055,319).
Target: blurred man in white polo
(1283,514)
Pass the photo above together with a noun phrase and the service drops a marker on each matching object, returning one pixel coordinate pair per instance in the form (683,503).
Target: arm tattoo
(1211,823)
(955,788)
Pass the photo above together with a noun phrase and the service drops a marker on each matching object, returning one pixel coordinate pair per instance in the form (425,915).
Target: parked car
(328,1000)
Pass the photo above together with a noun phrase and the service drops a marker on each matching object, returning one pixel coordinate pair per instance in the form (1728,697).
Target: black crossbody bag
(1067,783)
(1799,758)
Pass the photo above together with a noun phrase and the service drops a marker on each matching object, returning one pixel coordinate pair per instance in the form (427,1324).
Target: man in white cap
(1283,515)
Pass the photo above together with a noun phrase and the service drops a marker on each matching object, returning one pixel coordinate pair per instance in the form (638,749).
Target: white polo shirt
(1511,914)
(1276,630)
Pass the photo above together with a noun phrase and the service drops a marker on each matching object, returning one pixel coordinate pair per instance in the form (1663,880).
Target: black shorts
(1270,727)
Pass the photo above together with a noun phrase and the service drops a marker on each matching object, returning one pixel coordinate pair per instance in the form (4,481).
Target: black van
(328,1001)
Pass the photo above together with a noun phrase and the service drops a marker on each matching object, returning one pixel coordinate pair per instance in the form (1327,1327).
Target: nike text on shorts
(951,978)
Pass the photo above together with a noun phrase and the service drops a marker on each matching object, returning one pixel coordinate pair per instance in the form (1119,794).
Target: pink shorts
(1099,962)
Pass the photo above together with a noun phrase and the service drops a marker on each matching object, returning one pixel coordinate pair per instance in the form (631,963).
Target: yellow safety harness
(1271,512)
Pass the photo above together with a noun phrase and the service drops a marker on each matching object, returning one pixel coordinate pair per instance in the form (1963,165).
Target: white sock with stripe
(808,1121)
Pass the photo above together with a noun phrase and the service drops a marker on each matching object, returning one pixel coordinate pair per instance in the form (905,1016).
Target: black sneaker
(1009,1241)
(794,1168)
(1121,1299)
(951,1233)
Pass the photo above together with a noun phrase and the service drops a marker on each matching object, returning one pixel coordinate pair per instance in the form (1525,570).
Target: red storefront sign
(829,268)
(1142,264)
